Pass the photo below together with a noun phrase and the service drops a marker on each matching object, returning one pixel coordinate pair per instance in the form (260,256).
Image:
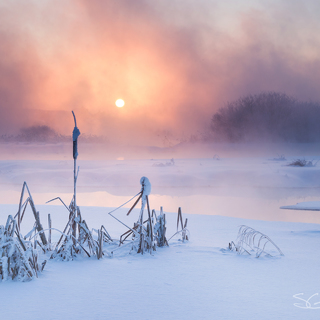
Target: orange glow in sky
(175,65)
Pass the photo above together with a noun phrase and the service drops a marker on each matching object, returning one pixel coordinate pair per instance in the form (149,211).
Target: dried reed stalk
(22,209)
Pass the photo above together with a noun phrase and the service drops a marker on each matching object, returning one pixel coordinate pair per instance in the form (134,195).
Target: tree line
(268,116)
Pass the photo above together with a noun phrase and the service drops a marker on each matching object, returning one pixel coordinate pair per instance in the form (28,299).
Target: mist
(175,64)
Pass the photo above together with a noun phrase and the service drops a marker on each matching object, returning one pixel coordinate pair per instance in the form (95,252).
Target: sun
(119,103)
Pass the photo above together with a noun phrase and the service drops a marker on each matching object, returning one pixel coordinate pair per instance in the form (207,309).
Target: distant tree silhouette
(38,133)
(45,134)
(269,116)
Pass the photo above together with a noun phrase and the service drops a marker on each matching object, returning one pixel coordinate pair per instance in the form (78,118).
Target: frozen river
(251,188)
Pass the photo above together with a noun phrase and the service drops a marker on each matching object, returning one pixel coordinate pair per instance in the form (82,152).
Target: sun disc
(119,103)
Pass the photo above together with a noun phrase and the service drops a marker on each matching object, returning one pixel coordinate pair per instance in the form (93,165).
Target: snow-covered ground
(199,279)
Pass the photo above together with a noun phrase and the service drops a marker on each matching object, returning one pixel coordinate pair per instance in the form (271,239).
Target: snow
(309,205)
(197,279)
(193,280)
(146,186)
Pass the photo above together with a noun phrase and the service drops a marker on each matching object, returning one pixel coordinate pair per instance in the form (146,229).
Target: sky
(173,62)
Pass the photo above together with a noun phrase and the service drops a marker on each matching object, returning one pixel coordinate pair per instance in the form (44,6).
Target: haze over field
(206,107)
(175,63)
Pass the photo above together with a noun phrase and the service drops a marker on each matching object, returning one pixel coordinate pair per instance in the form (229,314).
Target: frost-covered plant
(77,237)
(22,209)
(159,229)
(251,241)
(302,163)
(281,157)
(146,241)
(19,259)
(68,246)
(167,164)
(147,234)
(184,232)
(67,251)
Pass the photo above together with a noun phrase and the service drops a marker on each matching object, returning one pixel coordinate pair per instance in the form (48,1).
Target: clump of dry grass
(167,164)
(281,157)
(19,258)
(302,163)
(183,231)
(251,241)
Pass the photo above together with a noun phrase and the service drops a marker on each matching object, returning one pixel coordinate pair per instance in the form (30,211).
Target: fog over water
(239,180)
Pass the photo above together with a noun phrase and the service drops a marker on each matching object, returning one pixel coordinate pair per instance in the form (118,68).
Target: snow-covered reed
(19,258)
